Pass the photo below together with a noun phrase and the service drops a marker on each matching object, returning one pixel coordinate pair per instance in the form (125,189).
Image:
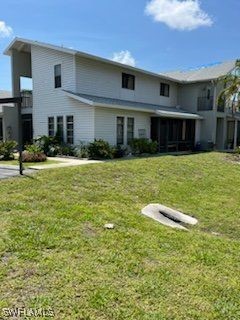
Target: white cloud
(124,57)
(5,30)
(178,14)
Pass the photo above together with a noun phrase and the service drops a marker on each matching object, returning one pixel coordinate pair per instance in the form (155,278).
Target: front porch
(233,132)
(174,135)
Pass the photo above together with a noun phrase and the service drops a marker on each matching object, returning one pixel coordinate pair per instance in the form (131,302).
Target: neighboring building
(8,121)
(83,97)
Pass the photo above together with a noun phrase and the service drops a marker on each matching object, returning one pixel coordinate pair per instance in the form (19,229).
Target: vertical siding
(102,79)
(106,119)
(48,101)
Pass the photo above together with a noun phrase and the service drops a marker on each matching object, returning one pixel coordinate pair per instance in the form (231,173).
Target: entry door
(27,128)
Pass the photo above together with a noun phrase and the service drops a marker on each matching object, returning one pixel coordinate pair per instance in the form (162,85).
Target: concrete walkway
(63,162)
(11,171)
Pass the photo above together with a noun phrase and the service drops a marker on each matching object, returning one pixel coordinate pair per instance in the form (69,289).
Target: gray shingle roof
(130,104)
(4,94)
(205,73)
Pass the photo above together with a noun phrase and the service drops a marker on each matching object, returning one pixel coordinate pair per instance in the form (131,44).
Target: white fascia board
(110,106)
(178,115)
(80,99)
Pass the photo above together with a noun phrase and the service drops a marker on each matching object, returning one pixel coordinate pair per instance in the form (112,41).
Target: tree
(230,95)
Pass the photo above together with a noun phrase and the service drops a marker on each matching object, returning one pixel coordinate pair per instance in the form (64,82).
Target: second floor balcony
(27,99)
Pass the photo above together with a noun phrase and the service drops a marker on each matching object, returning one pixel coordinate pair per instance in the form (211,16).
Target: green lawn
(55,252)
(28,164)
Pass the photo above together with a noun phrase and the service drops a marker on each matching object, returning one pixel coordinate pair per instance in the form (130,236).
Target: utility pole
(20,140)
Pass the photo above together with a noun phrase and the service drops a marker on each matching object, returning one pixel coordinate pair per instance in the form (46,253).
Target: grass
(28,164)
(55,252)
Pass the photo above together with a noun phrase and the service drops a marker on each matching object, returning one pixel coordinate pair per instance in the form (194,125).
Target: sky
(156,35)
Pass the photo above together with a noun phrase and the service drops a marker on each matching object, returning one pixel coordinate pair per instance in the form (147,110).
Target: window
(70,128)
(164,90)
(130,130)
(58,76)
(60,128)
(128,81)
(208,94)
(120,130)
(51,127)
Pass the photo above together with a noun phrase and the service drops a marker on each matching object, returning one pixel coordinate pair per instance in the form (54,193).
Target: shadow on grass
(173,154)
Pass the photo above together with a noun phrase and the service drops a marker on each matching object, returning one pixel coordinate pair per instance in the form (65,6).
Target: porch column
(235,134)
(197,131)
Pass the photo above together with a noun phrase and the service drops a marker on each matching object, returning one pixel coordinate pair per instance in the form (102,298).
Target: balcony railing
(221,108)
(27,99)
(205,103)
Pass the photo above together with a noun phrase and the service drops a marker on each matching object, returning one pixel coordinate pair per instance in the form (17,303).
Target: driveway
(11,171)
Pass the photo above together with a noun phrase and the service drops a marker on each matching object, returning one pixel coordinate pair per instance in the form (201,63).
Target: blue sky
(157,35)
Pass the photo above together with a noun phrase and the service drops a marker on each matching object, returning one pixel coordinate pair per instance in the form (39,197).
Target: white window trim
(125,127)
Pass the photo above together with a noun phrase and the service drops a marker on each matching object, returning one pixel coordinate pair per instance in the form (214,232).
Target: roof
(4,94)
(205,73)
(202,74)
(25,46)
(156,109)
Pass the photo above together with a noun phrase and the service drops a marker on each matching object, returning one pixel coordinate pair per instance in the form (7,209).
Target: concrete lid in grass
(168,217)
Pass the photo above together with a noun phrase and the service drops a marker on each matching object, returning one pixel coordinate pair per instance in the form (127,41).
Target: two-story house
(84,97)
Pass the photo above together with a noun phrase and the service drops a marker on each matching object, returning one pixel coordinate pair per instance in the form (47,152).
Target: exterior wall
(188,99)
(50,101)
(10,123)
(188,95)
(21,67)
(106,123)
(84,75)
(101,79)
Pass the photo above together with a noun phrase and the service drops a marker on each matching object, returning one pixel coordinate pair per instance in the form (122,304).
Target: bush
(32,148)
(119,152)
(48,145)
(33,153)
(6,149)
(65,150)
(81,151)
(33,157)
(140,146)
(100,149)
(237,150)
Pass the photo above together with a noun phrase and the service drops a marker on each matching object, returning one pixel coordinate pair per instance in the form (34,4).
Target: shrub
(65,150)
(100,149)
(237,150)
(119,152)
(33,157)
(32,148)
(140,146)
(81,151)
(49,145)
(33,153)
(6,149)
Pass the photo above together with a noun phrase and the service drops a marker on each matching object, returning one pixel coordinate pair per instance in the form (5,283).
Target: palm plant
(230,95)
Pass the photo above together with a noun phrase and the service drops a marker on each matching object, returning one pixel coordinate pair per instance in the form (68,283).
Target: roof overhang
(178,115)
(106,105)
